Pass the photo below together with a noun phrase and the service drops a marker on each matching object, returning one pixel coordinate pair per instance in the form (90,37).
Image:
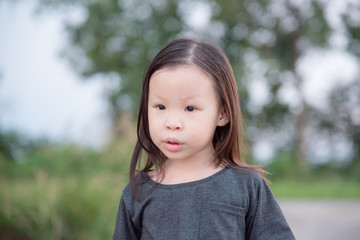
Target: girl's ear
(223,118)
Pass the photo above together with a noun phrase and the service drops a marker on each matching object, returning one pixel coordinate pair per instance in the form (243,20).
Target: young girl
(194,183)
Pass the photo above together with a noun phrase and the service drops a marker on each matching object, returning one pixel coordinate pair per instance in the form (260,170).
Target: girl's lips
(172,145)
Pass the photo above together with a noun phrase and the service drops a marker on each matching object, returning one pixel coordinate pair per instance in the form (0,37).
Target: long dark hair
(228,141)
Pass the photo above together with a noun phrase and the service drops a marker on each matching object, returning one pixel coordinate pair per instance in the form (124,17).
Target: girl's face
(183,113)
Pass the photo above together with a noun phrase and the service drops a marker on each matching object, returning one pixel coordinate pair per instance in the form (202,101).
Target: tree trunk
(301,118)
(301,121)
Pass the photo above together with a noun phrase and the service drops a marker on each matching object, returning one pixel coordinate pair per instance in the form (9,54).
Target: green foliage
(354,170)
(319,188)
(53,208)
(13,145)
(119,38)
(9,230)
(283,166)
(63,192)
(321,181)
(263,39)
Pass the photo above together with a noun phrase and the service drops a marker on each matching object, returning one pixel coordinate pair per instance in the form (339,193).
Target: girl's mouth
(172,145)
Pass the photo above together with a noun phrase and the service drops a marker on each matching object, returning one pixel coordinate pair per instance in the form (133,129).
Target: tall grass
(316,188)
(63,193)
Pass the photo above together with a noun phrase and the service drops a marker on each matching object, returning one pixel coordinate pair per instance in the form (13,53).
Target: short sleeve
(264,219)
(124,227)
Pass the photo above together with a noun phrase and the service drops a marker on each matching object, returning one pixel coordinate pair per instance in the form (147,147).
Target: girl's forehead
(181,67)
(180,75)
(183,82)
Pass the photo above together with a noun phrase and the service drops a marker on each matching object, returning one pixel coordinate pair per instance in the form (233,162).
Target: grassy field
(68,192)
(318,188)
(62,193)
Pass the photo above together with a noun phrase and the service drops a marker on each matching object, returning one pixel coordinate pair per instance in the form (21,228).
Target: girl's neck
(176,172)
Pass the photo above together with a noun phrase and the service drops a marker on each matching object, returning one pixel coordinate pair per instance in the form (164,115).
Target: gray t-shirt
(231,204)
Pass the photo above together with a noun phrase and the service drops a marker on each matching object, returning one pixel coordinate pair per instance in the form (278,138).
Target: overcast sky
(39,94)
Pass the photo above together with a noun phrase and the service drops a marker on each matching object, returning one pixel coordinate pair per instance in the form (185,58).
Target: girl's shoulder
(126,193)
(245,179)
(245,174)
(143,184)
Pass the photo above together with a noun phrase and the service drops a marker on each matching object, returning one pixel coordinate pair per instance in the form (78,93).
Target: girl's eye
(161,107)
(190,109)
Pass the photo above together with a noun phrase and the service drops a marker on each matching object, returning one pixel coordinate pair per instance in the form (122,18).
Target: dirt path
(323,219)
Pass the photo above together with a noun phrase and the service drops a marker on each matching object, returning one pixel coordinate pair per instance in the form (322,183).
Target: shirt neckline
(185,184)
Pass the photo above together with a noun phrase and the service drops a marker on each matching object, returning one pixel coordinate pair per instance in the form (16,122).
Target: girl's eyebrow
(190,97)
(154,95)
(185,98)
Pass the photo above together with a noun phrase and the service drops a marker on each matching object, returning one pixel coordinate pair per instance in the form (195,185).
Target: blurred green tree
(118,39)
(340,126)
(275,35)
(14,145)
(265,41)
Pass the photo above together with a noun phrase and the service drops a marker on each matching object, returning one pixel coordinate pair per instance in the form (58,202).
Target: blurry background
(70,80)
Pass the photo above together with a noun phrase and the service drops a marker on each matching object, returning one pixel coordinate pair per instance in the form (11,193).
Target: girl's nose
(174,124)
